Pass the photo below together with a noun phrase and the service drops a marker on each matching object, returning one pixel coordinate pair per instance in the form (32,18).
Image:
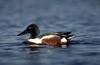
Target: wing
(61,34)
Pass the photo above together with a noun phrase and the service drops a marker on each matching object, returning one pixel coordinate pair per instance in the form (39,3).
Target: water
(82,17)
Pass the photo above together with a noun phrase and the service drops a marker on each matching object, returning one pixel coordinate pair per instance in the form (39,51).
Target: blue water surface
(81,17)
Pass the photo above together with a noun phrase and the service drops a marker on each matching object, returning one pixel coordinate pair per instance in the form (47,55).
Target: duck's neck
(32,36)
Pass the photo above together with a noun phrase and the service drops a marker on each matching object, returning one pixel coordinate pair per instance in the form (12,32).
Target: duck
(55,39)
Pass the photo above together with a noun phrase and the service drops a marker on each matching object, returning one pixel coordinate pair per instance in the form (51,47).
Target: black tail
(67,35)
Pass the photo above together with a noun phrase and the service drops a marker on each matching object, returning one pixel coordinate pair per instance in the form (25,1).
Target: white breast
(36,41)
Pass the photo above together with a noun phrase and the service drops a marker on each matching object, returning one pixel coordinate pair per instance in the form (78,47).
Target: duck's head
(32,29)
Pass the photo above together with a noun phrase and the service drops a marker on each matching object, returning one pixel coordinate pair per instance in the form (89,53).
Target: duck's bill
(22,33)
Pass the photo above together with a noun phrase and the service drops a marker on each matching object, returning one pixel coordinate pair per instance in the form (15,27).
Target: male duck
(55,39)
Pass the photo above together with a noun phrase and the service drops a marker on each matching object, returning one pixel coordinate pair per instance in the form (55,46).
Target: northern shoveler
(55,39)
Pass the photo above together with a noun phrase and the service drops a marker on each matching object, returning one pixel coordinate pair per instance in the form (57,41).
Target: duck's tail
(67,35)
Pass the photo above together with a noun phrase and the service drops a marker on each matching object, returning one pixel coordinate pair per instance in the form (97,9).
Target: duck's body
(55,39)
(49,37)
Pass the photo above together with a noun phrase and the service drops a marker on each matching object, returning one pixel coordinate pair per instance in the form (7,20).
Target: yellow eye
(30,28)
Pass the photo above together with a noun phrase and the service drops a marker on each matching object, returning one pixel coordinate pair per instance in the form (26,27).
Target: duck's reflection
(34,48)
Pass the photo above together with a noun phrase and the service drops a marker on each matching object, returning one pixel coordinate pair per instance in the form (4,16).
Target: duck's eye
(30,28)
